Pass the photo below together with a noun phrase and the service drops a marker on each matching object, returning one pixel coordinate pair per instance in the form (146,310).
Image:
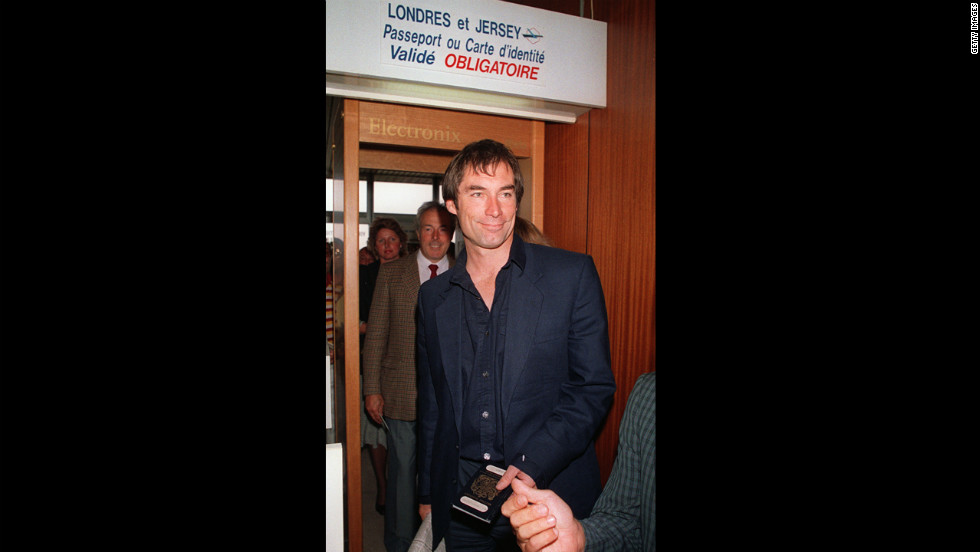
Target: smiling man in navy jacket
(513,365)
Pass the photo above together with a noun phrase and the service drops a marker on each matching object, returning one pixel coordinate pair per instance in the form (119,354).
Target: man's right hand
(374,404)
(542,521)
(424,510)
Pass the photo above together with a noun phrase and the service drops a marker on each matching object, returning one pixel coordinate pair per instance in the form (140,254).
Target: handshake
(542,521)
(624,516)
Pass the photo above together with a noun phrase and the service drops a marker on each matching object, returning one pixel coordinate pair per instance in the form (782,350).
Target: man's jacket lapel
(522,319)
(449,323)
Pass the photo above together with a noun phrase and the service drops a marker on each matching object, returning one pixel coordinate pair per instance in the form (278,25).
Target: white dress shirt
(424,263)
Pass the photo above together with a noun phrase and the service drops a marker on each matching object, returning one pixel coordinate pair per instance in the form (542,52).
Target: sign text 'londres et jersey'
(466,43)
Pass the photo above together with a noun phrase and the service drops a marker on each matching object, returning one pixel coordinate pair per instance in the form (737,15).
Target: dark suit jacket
(557,382)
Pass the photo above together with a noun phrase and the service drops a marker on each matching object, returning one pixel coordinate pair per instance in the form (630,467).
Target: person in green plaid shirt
(624,517)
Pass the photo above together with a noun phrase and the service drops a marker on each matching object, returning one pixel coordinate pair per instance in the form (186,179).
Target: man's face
(486,207)
(434,236)
(387,244)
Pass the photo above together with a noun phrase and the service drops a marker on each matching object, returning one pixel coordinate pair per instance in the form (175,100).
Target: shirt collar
(518,256)
(424,263)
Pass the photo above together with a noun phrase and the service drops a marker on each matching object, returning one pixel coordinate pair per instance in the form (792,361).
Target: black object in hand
(480,497)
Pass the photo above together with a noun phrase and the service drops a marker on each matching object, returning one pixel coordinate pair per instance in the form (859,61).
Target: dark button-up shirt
(483,340)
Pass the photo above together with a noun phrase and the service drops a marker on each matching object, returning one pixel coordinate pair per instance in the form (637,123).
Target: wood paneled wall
(566,184)
(615,148)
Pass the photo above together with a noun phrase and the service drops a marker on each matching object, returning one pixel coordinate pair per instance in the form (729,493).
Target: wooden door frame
(428,139)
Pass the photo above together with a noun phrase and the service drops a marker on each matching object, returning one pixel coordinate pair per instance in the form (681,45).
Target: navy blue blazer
(557,381)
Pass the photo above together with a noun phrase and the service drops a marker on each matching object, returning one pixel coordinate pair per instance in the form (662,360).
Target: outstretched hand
(542,521)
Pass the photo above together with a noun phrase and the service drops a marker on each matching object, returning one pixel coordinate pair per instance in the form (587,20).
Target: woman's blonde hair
(530,233)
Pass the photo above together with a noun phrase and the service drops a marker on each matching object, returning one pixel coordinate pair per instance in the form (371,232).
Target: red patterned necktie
(433,268)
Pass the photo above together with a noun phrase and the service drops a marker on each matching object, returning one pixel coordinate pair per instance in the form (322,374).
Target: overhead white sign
(483,45)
